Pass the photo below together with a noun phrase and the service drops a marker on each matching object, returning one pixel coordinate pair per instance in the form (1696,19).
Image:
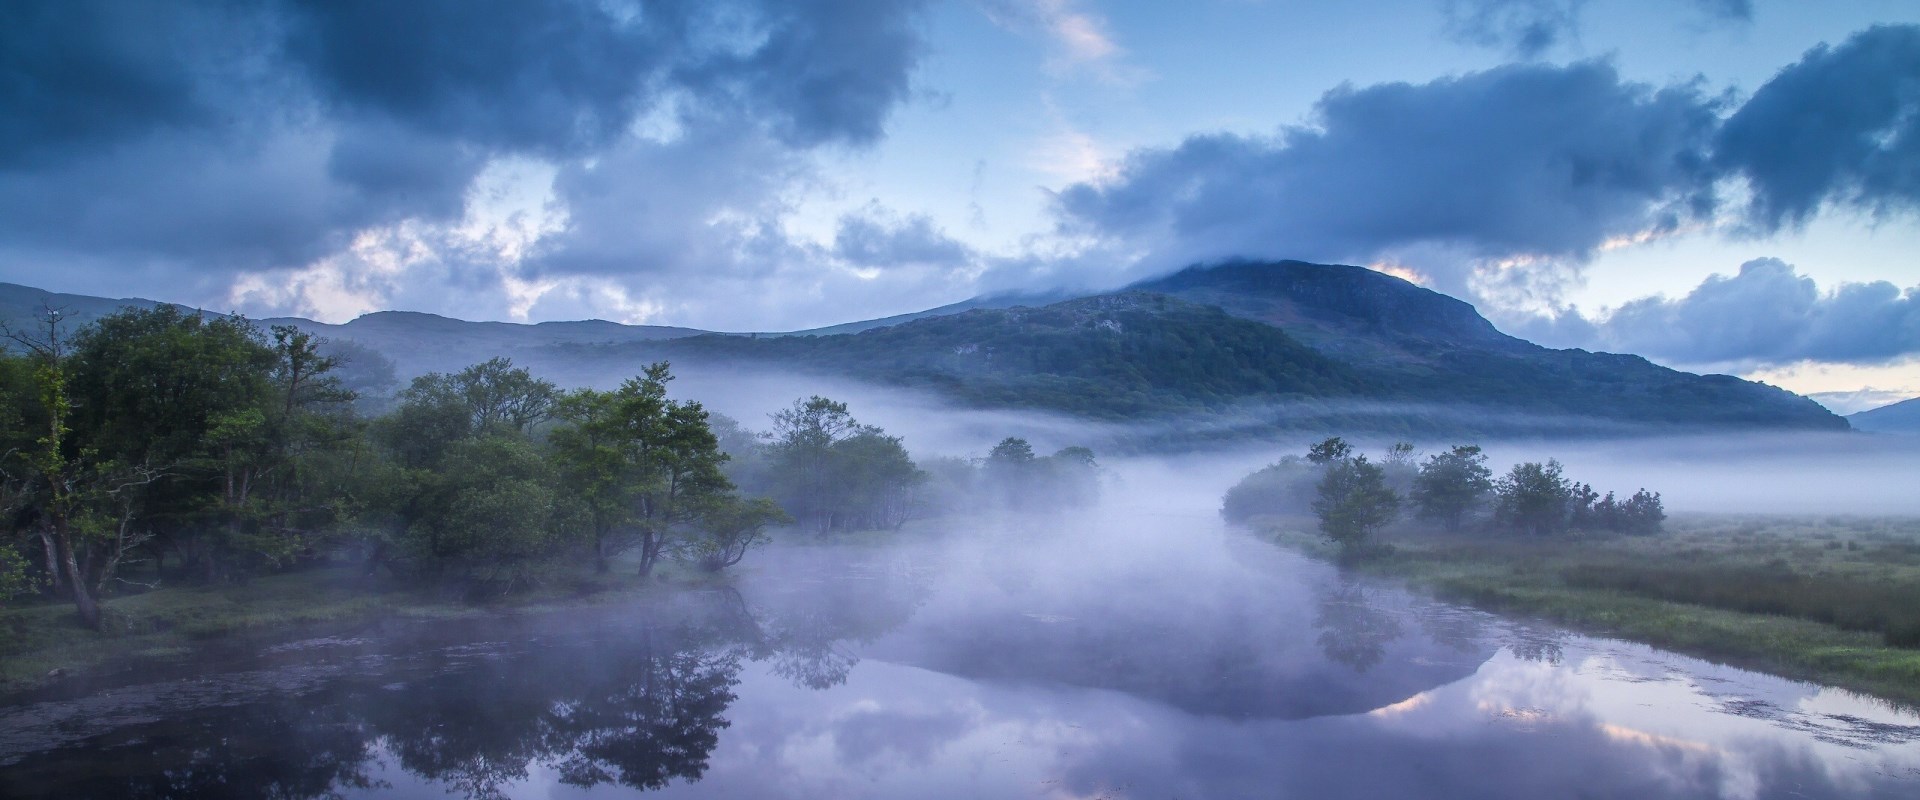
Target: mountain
(21,306)
(1901,417)
(420,343)
(1246,347)
(1226,350)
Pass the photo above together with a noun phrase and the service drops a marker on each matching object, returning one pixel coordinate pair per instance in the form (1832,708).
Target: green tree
(52,482)
(1641,514)
(1533,498)
(488,517)
(15,579)
(641,467)
(1354,502)
(1284,487)
(1451,485)
(730,529)
(833,473)
(1328,451)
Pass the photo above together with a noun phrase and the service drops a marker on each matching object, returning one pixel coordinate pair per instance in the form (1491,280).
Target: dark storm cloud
(210,137)
(1519,159)
(1526,28)
(1840,127)
(831,69)
(82,75)
(524,76)
(1768,314)
(570,75)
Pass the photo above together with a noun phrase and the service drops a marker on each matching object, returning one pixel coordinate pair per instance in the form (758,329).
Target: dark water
(1136,653)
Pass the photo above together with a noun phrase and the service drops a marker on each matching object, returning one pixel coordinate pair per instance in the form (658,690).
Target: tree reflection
(638,702)
(1353,631)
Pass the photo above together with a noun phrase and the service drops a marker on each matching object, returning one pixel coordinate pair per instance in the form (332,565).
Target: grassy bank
(1834,599)
(39,639)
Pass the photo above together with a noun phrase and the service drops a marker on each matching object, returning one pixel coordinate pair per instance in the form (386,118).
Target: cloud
(1726,11)
(1765,315)
(1528,29)
(1841,127)
(1525,28)
(1524,160)
(1081,39)
(877,239)
(339,144)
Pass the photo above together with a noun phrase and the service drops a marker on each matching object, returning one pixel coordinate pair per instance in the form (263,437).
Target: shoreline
(45,646)
(1528,578)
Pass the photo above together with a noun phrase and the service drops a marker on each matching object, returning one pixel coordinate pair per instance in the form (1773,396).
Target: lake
(1142,650)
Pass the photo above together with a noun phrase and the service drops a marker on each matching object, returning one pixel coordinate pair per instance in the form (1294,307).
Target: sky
(1719,185)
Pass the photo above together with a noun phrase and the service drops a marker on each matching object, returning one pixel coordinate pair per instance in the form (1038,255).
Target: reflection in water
(1353,631)
(1199,667)
(637,703)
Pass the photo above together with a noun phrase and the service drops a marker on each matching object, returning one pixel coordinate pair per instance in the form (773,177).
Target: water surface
(1141,651)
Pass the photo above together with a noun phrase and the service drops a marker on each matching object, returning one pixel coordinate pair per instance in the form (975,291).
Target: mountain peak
(1334,305)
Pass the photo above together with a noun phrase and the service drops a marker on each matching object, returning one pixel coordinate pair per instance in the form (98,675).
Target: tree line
(1354,497)
(161,444)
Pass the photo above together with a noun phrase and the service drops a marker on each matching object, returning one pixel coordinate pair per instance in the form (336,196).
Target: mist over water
(1140,648)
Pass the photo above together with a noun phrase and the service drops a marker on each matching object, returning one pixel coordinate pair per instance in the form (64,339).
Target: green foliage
(730,529)
(1285,487)
(489,516)
(1353,501)
(1533,498)
(15,577)
(639,466)
(1452,485)
(1070,478)
(1328,451)
(832,473)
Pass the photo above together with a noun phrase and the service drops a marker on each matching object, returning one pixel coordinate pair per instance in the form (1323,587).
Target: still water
(1132,653)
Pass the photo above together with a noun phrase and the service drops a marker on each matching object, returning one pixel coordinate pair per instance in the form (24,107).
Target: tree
(800,448)
(640,466)
(876,480)
(834,473)
(493,394)
(1284,487)
(488,516)
(731,529)
(1328,451)
(1451,485)
(1641,514)
(15,580)
(1011,470)
(1533,498)
(501,394)
(1354,501)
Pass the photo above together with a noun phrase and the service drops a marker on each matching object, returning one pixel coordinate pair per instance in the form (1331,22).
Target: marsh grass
(1829,599)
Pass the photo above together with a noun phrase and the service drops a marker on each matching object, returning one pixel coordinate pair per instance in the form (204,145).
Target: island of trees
(1354,497)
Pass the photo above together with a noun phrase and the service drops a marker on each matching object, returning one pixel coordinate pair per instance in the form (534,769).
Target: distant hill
(1227,350)
(1901,417)
(20,305)
(421,343)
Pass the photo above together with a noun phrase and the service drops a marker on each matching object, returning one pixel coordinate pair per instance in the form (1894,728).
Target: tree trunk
(649,548)
(76,583)
(54,576)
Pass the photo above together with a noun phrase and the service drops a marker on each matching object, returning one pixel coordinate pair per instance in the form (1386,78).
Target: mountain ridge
(1899,417)
(1236,338)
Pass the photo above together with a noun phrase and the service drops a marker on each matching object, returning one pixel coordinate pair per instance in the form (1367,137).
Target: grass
(167,623)
(1834,600)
